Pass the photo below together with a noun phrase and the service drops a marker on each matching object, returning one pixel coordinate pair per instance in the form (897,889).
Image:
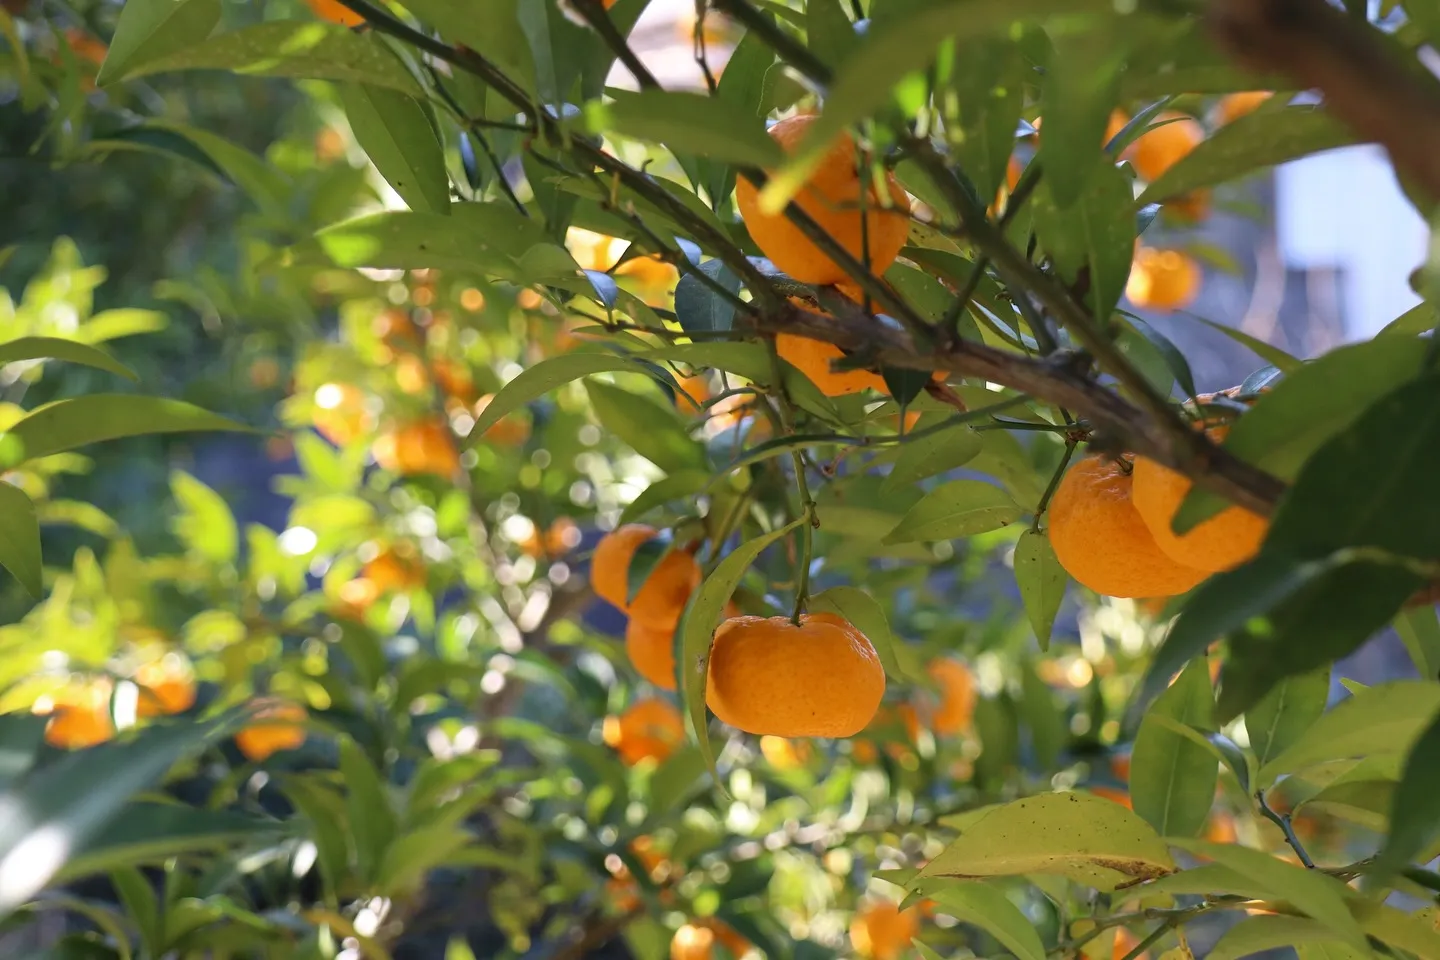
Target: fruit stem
(807,504)
(1283,822)
(1050,487)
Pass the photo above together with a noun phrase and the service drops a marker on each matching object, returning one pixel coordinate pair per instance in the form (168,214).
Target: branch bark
(1383,99)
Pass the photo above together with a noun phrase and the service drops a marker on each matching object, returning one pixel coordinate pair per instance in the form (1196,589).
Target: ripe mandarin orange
(1233,106)
(957,695)
(783,754)
(697,388)
(335,12)
(610,566)
(651,651)
(79,715)
(393,569)
(661,599)
(1222,542)
(819,679)
(832,199)
(454,380)
(340,412)
(167,686)
(648,729)
(692,942)
(1163,279)
(882,931)
(1100,539)
(420,447)
(278,725)
(1160,148)
(813,358)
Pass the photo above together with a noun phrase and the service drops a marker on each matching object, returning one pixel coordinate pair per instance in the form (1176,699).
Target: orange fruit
(1221,829)
(167,686)
(410,374)
(697,388)
(957,695)
(662,597)
(692,942)
(1116,123)
(610,566)
(1233,106)
(392,570)
(278,725)
(1013,170)
(882,931)
(648,729)
(1101,540)
(864,752)
(832,199)
(395,329)
(340,413)
(1111,793)
(1159,149)
(1222,542)
(425,446)
(652,652)
(335,12)
(783,754)
(1163,279)
(454,380)
(85,46)
(1125,941)
(510,430)
(1191,207)
(819,679)
(79,715)
(813,358)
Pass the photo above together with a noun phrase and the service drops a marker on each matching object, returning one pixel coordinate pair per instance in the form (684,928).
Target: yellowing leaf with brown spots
(1076,835)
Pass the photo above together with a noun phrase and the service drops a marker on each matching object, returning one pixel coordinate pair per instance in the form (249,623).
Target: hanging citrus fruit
(278,725)
(650,729)
(1163,146)
(1163,280)
(652,652)
(882,931)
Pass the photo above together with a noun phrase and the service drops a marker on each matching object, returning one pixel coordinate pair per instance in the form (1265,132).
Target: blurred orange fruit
(832,198)
(1101,540)
(1160,148)
(1233,106)
(395,329)
(410,374)
(649,729)
(420,447)
(1163,280)
(277,725)
(651,650)
(340,414)
(85,46)
(79,715)
(454,379)
(167,686)
(882,931)
(821,678)
(957,695)
(785,754)
(697,388)
(335,12)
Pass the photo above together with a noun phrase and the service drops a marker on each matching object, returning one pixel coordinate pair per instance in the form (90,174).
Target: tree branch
(1385,100)
(598,17)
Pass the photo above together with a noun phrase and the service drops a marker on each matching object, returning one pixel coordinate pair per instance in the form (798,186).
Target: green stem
(1283,822)
(1050,487)
(807,504)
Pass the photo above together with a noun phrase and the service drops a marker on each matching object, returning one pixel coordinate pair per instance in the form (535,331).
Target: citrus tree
(744,519)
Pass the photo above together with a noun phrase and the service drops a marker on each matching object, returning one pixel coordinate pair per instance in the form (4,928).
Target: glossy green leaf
(1397,928)
(677,486)
(691,123)
(865,612)
(1419,630)
(153,28)
(151,833)
(1172,779)
(988,77)
(1258,934)
(653,431)
(1095,231)
(1080,88)
(1384,719)
(410,856)
(285,48)
(372,818)
(1285,713)
(1270,354)
(1090,840)
(536,381)
(476,237)
(76,422)
(490,27)
(20,539)
(702,616)
(699,308)
(986,907)
(1416,320)
(55,348)
(959,508)
(1042,582)
(396,132)
(1250,143)
(1314,894)
(934,453)
(266,185)
(1415,806)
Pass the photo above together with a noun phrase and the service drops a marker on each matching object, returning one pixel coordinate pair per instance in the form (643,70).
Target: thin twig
(598,17)
(1283,822)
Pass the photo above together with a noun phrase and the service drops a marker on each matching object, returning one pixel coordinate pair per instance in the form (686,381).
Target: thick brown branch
(1388,101)
(1050,379)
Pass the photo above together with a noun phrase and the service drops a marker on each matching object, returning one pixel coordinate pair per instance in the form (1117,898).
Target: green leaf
(934,453)
(1174,359)
(286,48)
(475,238)
(689,123)
(155,28)
(1315,894)
(1412,322)
(1258,934)
(862,610)
(1002,457)
(1090,840)
(489,27)
(1220,747)
(66,424)
(697,629)
(372,819)
(141,905)
(675,780)
(983,906)
(1381,720)
(1208,878)
(1049,731)
(1172,779)
(1415,807)
(54,348)
(151,833)
(1419,630)
(1080,88)
(205,523)
(20,539)
(1285,713)
(960,508)
(412,855)
(676,486)
(397,133)
(64,806)
(653,431)
(1042,582)
(1095,231)
(1250,143)
(988,77)
(699,308)
(1397,928)
(21,735)
(534,382)
(1270,354)
(325,812)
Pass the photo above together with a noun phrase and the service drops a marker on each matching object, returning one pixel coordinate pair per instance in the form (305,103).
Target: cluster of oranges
(1111,526)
